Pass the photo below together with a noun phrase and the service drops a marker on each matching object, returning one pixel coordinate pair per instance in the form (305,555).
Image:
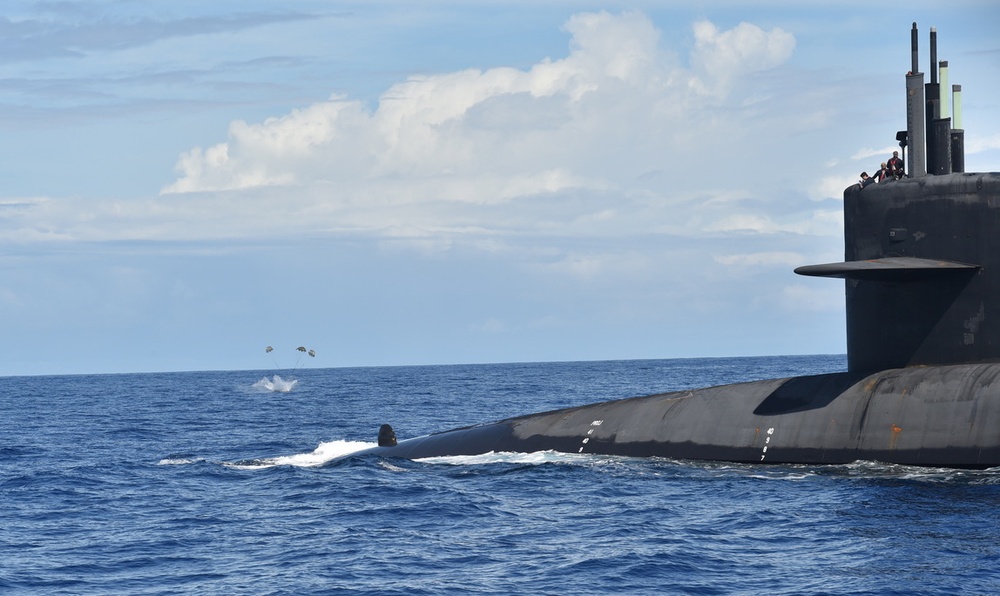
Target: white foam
(508,457)
(319,456)
(179,461)
(277,384)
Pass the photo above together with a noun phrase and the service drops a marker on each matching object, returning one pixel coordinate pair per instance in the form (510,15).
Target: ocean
(241,482)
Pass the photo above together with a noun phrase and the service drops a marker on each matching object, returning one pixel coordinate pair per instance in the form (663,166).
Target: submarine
(922,386)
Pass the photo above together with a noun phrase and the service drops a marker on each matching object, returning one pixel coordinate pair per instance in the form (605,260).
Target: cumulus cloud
(720,57)
(614,107)
(616,138)
(449,126)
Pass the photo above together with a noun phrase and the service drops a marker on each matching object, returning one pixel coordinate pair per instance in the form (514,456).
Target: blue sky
(185,183)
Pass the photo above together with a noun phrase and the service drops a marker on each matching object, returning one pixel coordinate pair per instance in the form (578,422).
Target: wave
(865,470)
(879,470)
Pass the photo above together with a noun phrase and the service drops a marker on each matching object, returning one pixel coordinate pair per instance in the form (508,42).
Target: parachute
(278,384)
(301,349)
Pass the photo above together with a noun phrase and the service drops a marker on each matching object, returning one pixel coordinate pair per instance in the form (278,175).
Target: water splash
(277,384)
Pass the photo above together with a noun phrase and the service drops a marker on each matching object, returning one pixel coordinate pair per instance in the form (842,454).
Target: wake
(325,453)
(511,457)
(334,450)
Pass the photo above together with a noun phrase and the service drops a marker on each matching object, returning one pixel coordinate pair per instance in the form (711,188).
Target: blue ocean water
(230,483)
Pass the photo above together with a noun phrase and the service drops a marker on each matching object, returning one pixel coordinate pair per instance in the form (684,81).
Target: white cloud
(762,259)
(720,57)
(616,139)
(978,144)
(880,155)
(490,326)
(815,223)
(760,224)
(813,298)
(616,106)
(830,187)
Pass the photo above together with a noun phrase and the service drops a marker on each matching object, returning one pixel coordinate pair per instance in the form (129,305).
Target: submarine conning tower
(922,253)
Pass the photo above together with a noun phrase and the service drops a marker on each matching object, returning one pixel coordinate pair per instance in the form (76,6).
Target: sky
(183,183)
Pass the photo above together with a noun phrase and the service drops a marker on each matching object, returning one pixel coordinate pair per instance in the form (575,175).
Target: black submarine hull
(945,416)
